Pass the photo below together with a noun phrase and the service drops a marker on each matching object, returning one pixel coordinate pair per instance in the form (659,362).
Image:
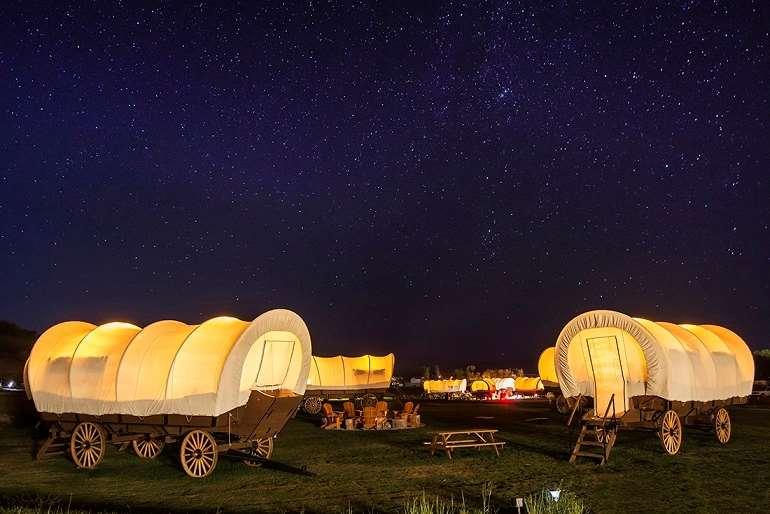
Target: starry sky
(450,181)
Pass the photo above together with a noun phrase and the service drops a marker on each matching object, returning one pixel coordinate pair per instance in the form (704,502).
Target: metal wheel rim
(671,432)
(262,448)
(312,405)
(87,445)
(722,425)
(198,454)
(148,447)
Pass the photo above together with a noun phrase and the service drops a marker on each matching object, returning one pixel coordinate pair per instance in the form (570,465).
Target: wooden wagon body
(262,367)
(618,371)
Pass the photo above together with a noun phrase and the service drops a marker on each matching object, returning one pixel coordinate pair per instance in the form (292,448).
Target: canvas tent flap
(342,373)
(674,362)
(168,367)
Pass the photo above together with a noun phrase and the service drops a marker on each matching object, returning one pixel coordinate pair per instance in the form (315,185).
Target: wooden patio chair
(408,408)
(413,419)
(332,418)
(370,417)
(382,409)
(350,410)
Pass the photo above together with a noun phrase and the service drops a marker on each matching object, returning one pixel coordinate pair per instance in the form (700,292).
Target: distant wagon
(507,384)
(528,386)
(492,388)
(449,389)
(224,386)
(546,368)
(365,377)
(482,387)
(651,375)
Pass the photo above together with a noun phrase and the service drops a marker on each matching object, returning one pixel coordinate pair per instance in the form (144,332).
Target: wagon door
(607,368)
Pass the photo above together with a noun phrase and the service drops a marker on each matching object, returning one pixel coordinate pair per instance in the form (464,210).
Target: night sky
(447,181)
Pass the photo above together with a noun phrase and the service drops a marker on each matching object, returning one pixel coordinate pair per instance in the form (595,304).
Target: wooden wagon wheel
(670,432)
(312,405)
(88,444)
(722,425)
(262,448)
(148,447)
(198,453)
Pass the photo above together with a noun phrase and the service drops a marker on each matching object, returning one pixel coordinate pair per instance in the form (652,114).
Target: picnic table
(470,438)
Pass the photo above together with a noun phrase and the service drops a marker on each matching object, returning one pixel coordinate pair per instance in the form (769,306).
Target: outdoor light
(555,494)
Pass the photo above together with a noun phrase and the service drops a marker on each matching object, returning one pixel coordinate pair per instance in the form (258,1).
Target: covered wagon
(655,375)
(507,384)
(224,386)
(448,389)
(483,388)
(364,378)
(528,386)
(546,368)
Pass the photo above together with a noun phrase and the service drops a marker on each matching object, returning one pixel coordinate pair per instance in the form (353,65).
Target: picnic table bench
(470,438)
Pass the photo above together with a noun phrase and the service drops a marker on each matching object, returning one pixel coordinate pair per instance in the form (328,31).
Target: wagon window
(273,364)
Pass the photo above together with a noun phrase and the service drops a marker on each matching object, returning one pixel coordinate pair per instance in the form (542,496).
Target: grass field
(380,471)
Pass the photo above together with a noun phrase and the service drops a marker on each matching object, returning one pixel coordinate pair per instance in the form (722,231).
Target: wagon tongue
(269,463)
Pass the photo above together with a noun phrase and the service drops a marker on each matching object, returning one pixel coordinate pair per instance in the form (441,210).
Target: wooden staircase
(53,445)
(597,435)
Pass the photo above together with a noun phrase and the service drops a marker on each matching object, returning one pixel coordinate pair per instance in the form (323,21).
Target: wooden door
(608,371)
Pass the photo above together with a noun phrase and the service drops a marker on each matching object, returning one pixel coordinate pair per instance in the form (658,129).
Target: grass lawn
(366,471)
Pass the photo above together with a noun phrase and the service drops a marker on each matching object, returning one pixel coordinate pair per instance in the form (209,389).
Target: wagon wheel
(262,448)
(722,425)
(562,405)
(148,447)
(198,453)
(88,444)
(670,432)
(312,405)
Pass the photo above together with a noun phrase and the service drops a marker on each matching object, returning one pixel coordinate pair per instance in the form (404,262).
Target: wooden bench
(471,438)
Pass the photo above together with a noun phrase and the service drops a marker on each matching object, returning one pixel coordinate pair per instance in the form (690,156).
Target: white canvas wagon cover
(168,367)
(342,373)
(675,362)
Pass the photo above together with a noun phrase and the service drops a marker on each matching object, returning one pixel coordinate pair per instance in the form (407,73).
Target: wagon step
(51,447)
(592,443)
(606,443)
(589,454)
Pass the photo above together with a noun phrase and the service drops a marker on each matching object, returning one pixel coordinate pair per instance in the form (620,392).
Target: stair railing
(610,403)
(606,443)
(574,409)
